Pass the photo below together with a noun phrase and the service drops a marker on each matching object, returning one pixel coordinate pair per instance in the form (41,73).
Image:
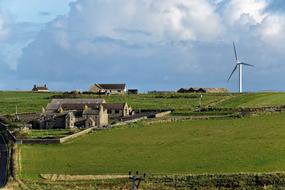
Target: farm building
(114,110)
(83,113)
(88,117)
(109,88)
(71,104)
(203,90)
(133,91)
(40,88)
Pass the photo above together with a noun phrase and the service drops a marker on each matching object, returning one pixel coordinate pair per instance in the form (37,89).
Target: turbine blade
(235,51)
(233,72)
(247,64)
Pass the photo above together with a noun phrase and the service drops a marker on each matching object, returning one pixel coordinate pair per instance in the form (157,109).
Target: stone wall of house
(94,89)
(69,120)
(103,118)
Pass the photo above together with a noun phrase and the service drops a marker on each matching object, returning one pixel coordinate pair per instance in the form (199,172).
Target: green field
(33,102)
(47,133)
(25,101)
(253,100)
(255,144)
(181,103)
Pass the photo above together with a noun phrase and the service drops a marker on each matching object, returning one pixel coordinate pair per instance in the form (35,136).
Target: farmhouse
(203,90)
(68,113)
(88,117)
(69,104)
(109,88)
(40,88)
(115,110)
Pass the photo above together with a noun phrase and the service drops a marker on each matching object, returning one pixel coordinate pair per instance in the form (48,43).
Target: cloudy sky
(148,44)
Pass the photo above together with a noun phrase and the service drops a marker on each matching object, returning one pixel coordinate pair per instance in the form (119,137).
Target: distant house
(203,90)
(133,91)
(40,88)
(160,92)
(109,88)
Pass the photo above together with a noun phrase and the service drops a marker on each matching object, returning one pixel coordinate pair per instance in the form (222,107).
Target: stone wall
(69,137)
(162,114)
(55,140)
(129,121)
(222,181)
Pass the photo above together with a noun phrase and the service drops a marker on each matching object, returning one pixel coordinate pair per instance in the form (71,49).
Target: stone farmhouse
(109,89)
(40,88)
(83,113)
(203,90)
(88,117)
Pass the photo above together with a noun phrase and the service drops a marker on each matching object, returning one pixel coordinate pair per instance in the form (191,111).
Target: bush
(73,131)
(22,132)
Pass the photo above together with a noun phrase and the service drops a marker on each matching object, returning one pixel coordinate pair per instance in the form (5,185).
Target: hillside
(33,102)
(211,146)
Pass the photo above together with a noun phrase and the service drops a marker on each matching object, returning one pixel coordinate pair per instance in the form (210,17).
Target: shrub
(73,131)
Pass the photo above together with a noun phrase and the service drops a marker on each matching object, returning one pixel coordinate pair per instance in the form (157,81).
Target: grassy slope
(242,145)
(48,133)
(33,102)
(254,100)
(26,101)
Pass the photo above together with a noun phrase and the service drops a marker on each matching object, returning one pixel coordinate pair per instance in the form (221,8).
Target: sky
(147,44)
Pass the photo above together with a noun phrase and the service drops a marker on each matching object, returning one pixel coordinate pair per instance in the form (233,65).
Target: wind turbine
(239,65)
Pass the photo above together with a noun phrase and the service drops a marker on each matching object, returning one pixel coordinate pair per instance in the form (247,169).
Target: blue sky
(36,11)
(148,44)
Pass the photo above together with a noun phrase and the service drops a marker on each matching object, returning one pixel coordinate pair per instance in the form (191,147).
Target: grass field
(33,102)
(255,144)
(25,101)
(58,133)
(254,100)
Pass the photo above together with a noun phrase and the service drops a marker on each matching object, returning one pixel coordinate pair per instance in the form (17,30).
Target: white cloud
(236,10)
(4,29)
(139,21)
(11,54)
(149,41)
(272,31)
(14,37)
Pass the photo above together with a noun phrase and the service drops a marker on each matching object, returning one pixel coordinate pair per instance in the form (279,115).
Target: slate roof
(114,106)
(111,86)
(197,89)
(79,104)
(73,104)
(36,88)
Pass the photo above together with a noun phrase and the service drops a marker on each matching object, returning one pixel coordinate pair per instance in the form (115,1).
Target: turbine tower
(239,65)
